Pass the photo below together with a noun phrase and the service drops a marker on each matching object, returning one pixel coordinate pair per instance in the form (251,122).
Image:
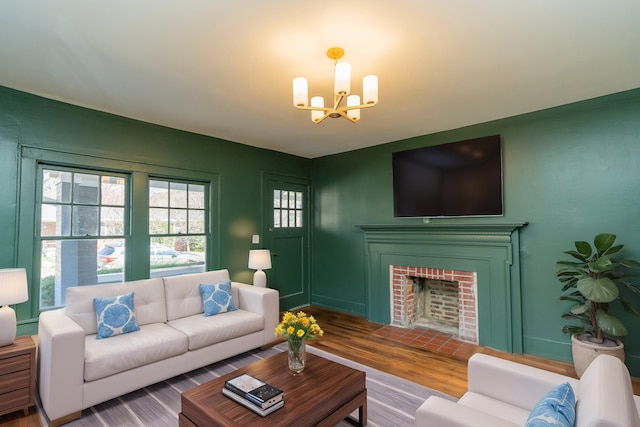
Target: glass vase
(297,355)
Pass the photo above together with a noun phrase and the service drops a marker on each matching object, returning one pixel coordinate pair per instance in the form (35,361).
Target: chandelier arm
(355,107)
(337,99)
(343,113)
(302,107)
(323,117)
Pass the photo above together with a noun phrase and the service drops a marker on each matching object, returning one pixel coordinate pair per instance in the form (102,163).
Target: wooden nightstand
(17,375)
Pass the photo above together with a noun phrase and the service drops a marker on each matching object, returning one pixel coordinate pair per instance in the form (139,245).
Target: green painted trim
(352,307)
(490,250)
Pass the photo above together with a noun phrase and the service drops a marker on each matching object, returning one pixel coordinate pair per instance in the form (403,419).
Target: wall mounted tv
(456,179)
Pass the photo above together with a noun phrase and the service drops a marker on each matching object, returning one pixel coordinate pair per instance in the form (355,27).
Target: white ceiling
(224,67)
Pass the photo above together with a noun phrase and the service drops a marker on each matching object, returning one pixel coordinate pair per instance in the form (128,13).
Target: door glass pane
(284,218)
(276,218)
(285,199)
(298,200)
(298,218)
(276,198)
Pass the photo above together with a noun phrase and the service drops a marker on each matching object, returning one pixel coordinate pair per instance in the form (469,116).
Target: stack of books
(255,394)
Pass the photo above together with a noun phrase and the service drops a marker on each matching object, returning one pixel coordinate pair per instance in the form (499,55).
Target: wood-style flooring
(355,338)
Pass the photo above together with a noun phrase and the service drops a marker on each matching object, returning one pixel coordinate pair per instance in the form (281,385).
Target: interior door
(288,239)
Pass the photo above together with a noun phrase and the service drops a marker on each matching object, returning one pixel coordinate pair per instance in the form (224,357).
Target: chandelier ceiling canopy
(342,86)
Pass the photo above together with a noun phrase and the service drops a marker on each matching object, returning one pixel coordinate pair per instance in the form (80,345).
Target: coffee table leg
(362,414)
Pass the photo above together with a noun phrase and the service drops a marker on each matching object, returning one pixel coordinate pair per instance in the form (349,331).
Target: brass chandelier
(342,85)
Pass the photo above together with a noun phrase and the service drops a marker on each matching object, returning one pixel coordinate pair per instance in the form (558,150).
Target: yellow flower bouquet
(296,329)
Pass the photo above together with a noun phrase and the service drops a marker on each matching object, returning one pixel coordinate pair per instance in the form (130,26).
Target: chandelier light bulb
(342,78)
(370,89)
(316,115)
(353,101)
(300,92)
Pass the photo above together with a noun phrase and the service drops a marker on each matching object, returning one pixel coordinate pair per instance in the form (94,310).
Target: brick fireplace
(440,299)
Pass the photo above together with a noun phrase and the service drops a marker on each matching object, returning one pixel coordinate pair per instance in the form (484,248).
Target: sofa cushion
(203,331)
(153,342)
(498,408)
(115,315)
(183,292)
(150,306)
(217,298)
(556,408)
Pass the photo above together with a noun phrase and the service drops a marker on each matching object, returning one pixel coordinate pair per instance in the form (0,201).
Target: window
(83,224)
(177,227)
(287,209)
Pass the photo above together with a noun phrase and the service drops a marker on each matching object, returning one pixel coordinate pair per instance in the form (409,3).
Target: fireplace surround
(492,251)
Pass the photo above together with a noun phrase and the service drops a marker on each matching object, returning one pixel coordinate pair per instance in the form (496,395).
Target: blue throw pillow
(556,408)
(115,315)
(217,298)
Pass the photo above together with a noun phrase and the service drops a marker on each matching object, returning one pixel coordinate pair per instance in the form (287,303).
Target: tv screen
(457,179)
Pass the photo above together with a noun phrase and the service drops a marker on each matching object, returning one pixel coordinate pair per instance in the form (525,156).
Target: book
(250,405)
(254,390)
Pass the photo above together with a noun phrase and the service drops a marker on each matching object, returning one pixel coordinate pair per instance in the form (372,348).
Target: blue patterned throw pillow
(115,315)
(556,408)
(217,298)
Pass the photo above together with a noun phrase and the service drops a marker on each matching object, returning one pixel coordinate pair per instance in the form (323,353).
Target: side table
(17,375)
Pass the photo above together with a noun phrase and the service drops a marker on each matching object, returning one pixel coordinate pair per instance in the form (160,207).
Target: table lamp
(260,259)
(13,290)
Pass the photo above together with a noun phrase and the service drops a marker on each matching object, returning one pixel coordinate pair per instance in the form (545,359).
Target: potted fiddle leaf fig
(592,281)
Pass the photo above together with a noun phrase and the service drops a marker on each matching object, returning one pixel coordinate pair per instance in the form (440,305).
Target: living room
(569,172)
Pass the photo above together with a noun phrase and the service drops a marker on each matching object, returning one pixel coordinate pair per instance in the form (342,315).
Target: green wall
(570,172)
(57,130)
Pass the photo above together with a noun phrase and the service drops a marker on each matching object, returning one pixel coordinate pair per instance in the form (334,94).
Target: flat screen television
(449,180)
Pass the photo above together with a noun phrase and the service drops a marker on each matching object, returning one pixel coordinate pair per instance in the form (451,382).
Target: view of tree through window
(81,214)
(177,227)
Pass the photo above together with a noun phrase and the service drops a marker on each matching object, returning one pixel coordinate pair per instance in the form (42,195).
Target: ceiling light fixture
(342,83)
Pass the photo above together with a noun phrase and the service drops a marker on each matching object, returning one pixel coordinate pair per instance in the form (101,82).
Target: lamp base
(7,325)
(260,279)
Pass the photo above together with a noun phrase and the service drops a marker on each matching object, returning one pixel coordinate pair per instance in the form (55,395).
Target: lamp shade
(370,89)
(13,286)
(317,101)
(352,101)
(259,259)
(342,83)
(300,92)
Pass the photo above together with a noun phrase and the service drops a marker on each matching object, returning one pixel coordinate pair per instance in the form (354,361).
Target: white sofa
(503,393)
(77,371)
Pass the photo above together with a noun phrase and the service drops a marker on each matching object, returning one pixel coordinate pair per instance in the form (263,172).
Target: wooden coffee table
(324,394)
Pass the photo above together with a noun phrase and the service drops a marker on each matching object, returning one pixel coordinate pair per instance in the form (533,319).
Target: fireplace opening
(436,304)
(443,300)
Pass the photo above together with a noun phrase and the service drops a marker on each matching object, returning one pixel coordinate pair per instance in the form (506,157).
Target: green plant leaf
(603,241)
(629,263)
(601,264)
(584,248)
(630,308)
(598,290)
(576,255)
(573,330)
(579,308)
(579,299)
(610,325)
(612,250)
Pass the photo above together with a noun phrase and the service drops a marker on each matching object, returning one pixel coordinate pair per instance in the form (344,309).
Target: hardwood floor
(354,338)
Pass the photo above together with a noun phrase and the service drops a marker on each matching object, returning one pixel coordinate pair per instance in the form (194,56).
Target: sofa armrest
(60,364)
(264,301)
(510,382)
(436,411)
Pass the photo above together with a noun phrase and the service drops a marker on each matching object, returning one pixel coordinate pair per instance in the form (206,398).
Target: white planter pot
(584,351)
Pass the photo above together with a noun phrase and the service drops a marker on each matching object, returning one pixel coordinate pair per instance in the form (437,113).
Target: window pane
(177,195)
(276,218)
(285,199)
(284,218)
(170,256)
(196,221)
(111,221)
(159,194)
(85,220)
(196,196)
(158,221)
(298,200)
(55,220)
(85,188)
(298,219)
(292,199)
(56,186)
(113,190)
(68,263)
(292,218)
(276,198)
(178,221)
